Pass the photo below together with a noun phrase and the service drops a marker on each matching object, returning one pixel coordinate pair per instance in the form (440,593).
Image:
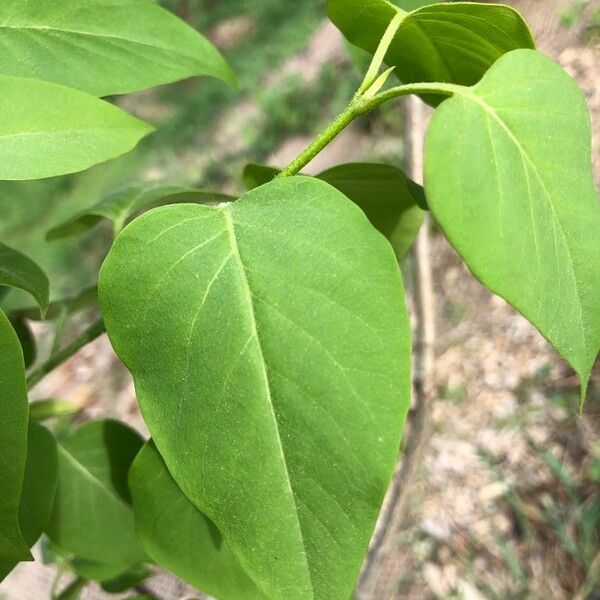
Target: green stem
(327,135)
(90,334)
(434,88)
(361,105)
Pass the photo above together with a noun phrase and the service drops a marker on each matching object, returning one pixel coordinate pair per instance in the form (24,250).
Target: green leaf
(19,271)
(13,442)
(452,43)
(121,205)
(270,347)
(92,570)
(91,516)
(47,129)
(103,47)
(255,175)
(26,339)
(508,177)
(127,580)
(64,307)
(39,484)
(177,536)
(387,196)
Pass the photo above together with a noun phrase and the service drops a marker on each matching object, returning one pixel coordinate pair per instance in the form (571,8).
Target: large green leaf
(13,442)
(177,536)
(452,43)
(270,347)
(39,484)
(17,270)
(508,176)
(47,129)
(388,198)
(120,206)
(103,47)
(91,516)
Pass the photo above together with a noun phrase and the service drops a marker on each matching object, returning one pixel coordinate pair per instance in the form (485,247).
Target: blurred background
(504,498)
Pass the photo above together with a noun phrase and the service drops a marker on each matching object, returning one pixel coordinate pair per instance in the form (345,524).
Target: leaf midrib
(248,295)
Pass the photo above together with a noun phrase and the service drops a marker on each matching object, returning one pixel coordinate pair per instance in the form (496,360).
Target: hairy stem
(90,334)
(323,139)
(361,105)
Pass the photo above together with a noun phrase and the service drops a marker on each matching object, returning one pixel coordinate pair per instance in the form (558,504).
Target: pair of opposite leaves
(269,341)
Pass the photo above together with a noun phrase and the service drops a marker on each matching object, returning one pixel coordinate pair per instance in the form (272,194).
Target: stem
(434,88)
(359,106)
(381,51)
(350,113)
(90,334)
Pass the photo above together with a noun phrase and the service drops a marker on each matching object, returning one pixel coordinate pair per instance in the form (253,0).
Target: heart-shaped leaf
(39,484)
(177,536)
(387,196)
(508,177)
(91,517)
(121,205)
(450,42)
(47,129)
(17,270)
(103,47)
(270,347)
(13,442)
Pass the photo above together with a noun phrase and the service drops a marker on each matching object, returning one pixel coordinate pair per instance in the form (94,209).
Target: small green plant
(268,335)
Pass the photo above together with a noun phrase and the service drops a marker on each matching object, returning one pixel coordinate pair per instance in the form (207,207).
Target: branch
(89,335)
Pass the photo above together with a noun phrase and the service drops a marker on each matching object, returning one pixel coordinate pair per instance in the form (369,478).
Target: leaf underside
(270,348)
(91,517)
(508,176)
(19,271)
(179,537)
